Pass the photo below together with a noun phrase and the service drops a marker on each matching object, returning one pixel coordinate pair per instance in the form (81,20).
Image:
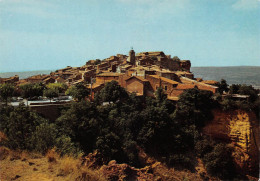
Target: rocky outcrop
(114,171)
(241,129)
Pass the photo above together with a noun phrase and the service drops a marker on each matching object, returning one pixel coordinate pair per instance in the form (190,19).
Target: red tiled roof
(185,86)
(169,80)
(164,79)
(211,82)
(139,78)
(108,74)
(155,76)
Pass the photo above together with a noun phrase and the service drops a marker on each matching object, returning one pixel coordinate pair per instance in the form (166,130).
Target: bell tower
(131,58)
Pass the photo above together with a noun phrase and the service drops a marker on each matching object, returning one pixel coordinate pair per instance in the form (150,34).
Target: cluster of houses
(141,73)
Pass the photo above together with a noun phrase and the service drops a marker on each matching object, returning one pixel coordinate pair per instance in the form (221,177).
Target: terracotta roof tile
(138,77)
(169,80)
(186,86)
(164,79)
(211,82)
(108,74)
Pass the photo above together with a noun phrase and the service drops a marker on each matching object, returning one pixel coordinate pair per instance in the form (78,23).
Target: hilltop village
(141,73)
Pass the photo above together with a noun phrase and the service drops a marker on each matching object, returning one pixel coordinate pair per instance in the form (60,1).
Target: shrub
(219,162)
(43,138)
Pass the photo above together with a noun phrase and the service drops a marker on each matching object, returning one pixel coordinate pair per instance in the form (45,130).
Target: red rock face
(114,171)
(242,130)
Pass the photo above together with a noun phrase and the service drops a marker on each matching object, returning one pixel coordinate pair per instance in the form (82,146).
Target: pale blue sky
(51,34)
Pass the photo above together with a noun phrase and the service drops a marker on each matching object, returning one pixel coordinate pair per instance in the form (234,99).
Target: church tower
(131,58)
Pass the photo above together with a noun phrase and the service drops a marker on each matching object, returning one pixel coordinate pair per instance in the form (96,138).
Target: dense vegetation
(118,124)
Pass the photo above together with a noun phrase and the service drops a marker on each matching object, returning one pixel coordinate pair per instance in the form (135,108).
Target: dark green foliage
(6,91)
(252,103)
(228,103)
(64,145)
(222,86)
(97,61)
(160,95)
(204,146)
(112,92)
(19,126)
(175,58)
(117,130)
(248,90)
(219,162)
(79,124)
(31,90)
(44,137)
(51,93)
(217,158)
(233,89)
(78,91)
(60,87)
(194,107)
(26,130)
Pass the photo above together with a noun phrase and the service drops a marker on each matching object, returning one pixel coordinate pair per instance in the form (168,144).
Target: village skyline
(48,35)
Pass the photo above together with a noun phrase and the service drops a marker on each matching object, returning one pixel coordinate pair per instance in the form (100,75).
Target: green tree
(160,95)
(19,125)
(31,90)
(222,86)
(51,93)
(234,88)
(194,107)
(175,58)
(79,123)
(248,90)
(112,92)
(6,91)
(61,87)
(78,91)
(44,137)
(97,61)
(219,162)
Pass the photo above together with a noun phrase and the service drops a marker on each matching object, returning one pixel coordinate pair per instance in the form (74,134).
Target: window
(165,88)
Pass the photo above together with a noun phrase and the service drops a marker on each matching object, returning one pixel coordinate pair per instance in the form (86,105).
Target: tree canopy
(61,87)
(222,86)
(112,92)
(120,129)
(6,91)
(78,91)
(31,90)
(195,106)
(51,93)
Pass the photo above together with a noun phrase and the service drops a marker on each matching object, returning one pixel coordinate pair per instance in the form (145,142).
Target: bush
(19,126)
(219,162)
(217,158)
(65,146)
(43,138)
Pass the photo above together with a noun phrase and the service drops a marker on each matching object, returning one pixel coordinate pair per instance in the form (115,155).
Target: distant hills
(249,75)
(25,74)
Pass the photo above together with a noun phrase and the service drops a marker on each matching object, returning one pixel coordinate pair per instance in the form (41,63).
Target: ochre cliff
(241,129)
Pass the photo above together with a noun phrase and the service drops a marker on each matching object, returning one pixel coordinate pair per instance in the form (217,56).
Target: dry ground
(35,167)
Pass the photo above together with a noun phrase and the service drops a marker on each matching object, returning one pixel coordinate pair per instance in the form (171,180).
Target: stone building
(131,58)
